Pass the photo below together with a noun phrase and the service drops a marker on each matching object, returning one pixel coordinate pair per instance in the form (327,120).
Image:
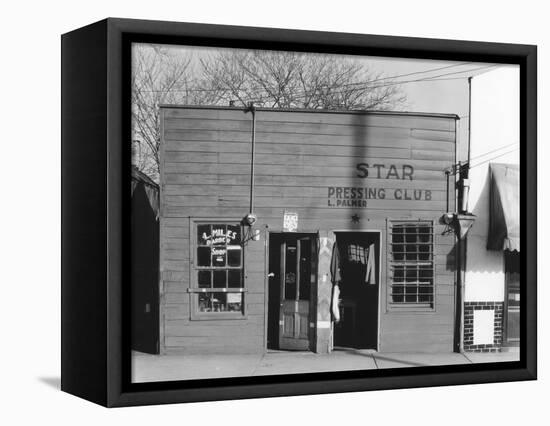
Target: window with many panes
(218,269)
(411,263)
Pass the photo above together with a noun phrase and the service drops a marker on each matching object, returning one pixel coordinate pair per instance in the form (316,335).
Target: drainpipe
(447,174)
(461,245)
(459,314)
(469,117)
(250,219)
(252,109)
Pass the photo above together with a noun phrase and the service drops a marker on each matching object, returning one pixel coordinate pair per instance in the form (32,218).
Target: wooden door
(297,275)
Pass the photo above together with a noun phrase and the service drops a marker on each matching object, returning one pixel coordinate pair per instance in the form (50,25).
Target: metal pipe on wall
(469,117)
(252,109)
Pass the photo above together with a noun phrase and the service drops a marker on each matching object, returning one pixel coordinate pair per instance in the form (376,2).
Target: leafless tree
(269,79)
(296,80)
(158,77)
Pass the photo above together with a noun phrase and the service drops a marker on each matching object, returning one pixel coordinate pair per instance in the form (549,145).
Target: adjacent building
(492,275)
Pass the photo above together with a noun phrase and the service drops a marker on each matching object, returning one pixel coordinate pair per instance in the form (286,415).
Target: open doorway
(359,254)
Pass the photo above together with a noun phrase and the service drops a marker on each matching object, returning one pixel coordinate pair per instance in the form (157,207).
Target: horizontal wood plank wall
(302,160)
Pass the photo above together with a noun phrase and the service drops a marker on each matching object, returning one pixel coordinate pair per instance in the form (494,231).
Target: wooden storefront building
(352,199)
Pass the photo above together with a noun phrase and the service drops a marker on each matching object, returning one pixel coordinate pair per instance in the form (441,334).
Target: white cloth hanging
(334,305)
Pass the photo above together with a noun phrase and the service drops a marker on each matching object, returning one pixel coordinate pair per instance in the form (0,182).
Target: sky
(430,86)
(447,94)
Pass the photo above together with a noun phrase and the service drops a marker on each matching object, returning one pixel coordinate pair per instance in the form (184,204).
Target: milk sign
(290,222)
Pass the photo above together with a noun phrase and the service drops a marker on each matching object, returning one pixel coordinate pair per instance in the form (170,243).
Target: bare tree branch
(269,79)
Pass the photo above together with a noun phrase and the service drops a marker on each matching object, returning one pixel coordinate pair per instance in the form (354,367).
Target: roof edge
(309,110)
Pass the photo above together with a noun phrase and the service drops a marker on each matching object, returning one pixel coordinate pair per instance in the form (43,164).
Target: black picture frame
(96,170)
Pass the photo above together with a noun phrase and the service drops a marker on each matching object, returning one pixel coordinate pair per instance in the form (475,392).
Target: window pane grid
(219,267)
(219,278)
(411,263)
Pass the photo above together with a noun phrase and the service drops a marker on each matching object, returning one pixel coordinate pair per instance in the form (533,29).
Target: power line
(409,74)
(365,84)
(494,150)
(303,94)
(301,91)
(370,81)
(427,79)
(436,77)
(494,158)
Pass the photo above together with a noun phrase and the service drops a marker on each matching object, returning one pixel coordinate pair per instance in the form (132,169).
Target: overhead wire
(436,77)
(365,85)
(494,158)
(397,83)
(301,94)
(409,74)
(349,84)
(494,150)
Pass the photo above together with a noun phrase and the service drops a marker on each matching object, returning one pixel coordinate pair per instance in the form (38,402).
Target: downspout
(466,196)
(459,328)
(459,315)
(250,219)
(462,242)
(447,174)
(252,109)
(469,117)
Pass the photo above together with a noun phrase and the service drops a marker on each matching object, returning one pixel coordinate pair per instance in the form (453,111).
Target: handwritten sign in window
(219,268)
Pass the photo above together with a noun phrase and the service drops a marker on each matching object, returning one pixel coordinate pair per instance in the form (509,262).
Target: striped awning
(504,207)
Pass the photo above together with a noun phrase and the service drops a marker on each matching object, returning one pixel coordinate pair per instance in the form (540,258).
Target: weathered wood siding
(205,173)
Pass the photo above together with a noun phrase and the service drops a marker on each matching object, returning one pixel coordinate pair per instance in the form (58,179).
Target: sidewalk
(150,368)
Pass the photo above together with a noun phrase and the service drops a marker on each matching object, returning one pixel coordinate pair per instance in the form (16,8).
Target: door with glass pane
(297,274)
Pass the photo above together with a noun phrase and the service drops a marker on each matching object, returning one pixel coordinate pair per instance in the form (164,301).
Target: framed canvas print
(252,212)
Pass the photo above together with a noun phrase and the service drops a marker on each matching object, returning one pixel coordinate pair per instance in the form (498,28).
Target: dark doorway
(144,273)
(292,276)
(511,299)
(359,254)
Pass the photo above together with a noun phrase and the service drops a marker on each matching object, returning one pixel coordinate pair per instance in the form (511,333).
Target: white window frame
(194,290)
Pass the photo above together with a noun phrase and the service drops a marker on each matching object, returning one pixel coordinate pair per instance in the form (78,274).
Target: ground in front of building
(152,368)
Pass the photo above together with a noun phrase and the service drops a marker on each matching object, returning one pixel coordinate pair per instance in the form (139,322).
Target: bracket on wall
(459,223)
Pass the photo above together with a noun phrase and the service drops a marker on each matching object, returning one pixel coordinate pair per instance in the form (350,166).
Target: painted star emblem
(355,218)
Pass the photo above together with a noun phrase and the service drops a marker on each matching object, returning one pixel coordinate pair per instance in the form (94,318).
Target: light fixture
(448,218)
(250,234)
(459,223)
(250,219)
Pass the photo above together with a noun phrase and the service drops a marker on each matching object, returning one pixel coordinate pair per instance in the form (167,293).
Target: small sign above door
(290,221)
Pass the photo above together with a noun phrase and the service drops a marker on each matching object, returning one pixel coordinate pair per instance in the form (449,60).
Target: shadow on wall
(481,209)
(360,154)
(450,264)
(479,259)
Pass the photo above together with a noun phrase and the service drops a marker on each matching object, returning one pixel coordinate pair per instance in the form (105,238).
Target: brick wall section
(469,308)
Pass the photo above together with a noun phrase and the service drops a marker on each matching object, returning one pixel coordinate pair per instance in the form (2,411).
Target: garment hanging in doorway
(355,254)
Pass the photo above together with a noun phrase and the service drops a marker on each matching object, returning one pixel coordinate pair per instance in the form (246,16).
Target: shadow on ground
(54,382)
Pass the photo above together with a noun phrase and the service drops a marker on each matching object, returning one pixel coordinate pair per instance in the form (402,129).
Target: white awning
(504,207)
